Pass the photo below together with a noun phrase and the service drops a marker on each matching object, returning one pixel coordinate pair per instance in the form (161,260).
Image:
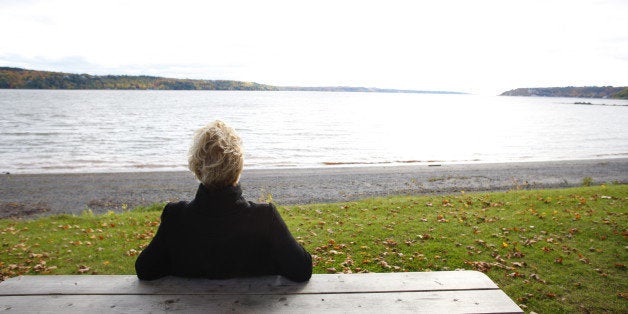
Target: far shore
(28,195)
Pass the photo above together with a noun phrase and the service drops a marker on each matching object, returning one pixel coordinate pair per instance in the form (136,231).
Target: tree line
(571,91)
(16,78)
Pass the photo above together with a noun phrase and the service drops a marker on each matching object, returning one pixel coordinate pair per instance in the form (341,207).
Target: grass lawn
(551,251)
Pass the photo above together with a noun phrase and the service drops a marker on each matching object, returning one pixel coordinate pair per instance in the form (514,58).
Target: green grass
(550,250)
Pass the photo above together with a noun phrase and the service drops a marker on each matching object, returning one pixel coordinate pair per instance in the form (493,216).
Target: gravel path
(33,194)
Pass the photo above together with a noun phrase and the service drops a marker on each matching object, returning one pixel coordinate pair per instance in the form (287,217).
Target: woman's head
(216,155)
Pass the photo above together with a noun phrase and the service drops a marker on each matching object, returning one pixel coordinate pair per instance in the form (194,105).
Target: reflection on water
(96,131)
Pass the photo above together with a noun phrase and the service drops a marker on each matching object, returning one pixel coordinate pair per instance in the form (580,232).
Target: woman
(219,234)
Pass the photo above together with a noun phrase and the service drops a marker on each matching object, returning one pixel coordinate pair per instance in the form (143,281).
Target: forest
(581,92)
(16,78)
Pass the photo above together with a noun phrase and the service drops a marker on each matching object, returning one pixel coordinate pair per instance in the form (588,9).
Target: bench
(417,292)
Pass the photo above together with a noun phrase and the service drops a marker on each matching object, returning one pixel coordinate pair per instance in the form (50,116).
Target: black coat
(220,235)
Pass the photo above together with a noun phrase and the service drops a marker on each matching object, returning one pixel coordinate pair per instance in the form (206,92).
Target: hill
(580,92)
(16,78)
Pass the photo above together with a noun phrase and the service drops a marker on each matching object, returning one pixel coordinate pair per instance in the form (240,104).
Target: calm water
(101,131)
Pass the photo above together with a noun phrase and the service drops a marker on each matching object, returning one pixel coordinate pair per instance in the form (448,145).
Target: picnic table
(416,292)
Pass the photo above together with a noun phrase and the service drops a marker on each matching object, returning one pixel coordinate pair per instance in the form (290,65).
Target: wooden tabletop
(424,292)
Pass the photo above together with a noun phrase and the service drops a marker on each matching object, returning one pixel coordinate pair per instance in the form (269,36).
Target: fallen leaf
(83,269)
(515,275)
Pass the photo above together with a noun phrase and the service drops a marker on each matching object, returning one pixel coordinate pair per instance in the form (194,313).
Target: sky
(479,46)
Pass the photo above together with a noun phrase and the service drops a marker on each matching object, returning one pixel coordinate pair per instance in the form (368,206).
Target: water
(45,131)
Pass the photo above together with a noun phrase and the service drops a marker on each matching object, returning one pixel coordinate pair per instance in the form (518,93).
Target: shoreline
(29,195)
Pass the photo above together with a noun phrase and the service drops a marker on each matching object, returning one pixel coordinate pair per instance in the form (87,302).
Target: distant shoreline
(17,78)
(28,195)
(603,92)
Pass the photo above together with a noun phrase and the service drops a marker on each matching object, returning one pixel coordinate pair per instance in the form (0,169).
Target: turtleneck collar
(224,197)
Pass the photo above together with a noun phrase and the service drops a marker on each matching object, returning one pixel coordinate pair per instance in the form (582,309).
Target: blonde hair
(215,156)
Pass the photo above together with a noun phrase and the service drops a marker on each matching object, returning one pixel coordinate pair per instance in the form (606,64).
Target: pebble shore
(29,195)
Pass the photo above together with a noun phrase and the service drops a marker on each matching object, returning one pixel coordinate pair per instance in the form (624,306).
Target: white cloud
(447,45)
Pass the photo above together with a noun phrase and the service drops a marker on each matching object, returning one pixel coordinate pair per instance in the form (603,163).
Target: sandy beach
(28,195)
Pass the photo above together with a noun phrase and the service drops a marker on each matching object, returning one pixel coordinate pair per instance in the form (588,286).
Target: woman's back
(220,235)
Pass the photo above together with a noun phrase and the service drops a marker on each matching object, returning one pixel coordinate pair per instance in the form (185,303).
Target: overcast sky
(477,46)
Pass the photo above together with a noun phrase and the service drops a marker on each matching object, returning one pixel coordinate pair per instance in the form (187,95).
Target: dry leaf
(83,269)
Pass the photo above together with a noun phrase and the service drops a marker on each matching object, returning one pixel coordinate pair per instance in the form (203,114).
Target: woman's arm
(293,261)
(153,262)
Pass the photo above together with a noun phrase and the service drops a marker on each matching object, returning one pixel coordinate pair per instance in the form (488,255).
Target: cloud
(460,45)
(64,64)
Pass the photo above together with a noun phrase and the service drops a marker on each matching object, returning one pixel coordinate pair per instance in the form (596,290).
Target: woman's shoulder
(268,207)
(173,209)
(261,210)
(175,205)
(268,211)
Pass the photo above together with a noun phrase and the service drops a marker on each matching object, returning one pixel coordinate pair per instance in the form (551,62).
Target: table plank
(470,301)
(447,292)
(320,283)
